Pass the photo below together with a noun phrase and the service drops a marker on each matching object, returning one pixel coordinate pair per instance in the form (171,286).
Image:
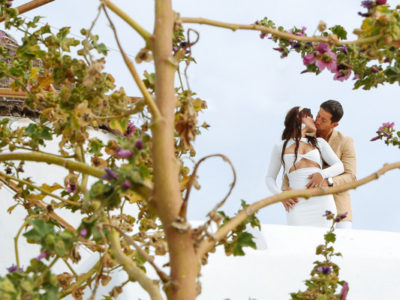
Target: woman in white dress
(301,154)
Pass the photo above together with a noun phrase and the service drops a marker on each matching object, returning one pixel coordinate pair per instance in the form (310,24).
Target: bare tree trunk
(167,196)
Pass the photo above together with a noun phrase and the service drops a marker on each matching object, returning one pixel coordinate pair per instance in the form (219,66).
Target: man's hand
(316,180)
(288,204)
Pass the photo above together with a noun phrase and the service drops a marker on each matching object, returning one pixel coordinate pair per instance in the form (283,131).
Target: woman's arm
(336,166)
(273,169)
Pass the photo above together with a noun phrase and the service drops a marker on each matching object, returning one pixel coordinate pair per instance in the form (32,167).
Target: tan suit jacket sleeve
(348,158)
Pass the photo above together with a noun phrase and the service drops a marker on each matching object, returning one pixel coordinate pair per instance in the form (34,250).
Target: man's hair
(334,108)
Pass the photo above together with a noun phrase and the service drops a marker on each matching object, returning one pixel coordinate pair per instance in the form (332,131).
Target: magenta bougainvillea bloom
(110,174)
(139,144)
(84,232)
(367,4)
(328,61)
(342,75)
(42,255)
(309,59)
(375,138)
(380,2)
(130,130)
(345,290)
(14,268)
(126,185)
(386,125)
(123,153)
(322,48)
(72,187)
(374,70)
(324,270)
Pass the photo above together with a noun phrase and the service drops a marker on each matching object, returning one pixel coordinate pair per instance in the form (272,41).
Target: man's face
(323,121)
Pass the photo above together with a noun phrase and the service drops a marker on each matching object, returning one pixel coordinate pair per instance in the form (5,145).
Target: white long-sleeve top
(336,166)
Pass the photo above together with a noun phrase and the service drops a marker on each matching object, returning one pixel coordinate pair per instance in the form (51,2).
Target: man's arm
(349,162)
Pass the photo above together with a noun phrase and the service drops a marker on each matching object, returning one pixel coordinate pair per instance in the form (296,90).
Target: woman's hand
(310,128)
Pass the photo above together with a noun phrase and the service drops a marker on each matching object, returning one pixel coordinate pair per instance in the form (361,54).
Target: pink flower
(83,232)
(139,144)
(123,153)
(309,59)
(42,255)
(126,185)
(386,125)
(72,187)
(345,290)
(328,61)
(322,48)
(375,138)
(130,130)
(342,75)
(380,2)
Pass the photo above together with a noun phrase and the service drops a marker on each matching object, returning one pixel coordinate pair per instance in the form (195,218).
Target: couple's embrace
(314,154)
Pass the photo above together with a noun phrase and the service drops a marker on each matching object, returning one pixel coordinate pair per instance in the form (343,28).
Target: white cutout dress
(306,212)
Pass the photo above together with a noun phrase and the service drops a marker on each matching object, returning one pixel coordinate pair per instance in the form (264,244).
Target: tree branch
(130,267)
(278,33)
(139,29)
(43,191)
(207,245)
(53,159)
(29,6)
(139,82)
(164,277)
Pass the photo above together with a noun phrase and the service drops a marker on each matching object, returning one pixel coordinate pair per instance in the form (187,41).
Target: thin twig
(207,245)
(43,191)
(149,99)
(278,33)
(163,276)
(193,176)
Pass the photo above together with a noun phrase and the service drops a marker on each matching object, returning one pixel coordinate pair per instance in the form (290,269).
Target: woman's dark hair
(293,130)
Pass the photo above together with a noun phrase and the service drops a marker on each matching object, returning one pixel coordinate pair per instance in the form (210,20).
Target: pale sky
(249,89)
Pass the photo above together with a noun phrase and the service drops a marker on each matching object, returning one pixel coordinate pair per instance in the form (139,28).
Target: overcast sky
(249,89)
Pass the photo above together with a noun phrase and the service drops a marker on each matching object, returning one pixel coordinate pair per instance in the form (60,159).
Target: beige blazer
(343,146)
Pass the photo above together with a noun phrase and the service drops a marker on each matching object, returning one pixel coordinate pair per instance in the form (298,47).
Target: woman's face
(309,122)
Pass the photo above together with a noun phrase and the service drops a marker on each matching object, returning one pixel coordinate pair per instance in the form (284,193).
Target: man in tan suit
(328,118)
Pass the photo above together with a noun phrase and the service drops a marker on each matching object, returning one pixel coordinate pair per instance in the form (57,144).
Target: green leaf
(330,237)
(339,31)
(245,239)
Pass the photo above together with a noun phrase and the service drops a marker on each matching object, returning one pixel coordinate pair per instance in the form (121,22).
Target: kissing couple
(314,154)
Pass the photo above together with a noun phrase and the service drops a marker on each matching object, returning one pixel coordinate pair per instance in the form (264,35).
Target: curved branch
(54,159)
(192,177)
(139,29)
(207,245)
(164,277)
(278,33)
(139,82)
(130,267)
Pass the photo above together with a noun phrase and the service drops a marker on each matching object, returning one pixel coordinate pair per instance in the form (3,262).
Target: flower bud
(322,26)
